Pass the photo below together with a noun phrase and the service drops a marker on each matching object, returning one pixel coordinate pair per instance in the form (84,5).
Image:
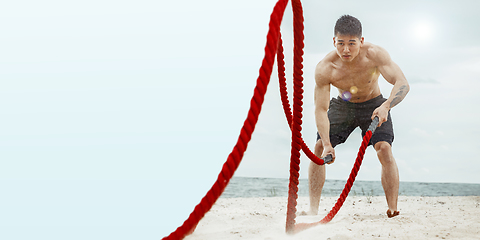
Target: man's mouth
(346,56)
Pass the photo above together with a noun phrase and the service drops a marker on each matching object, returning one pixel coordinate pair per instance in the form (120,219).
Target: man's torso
(360,78)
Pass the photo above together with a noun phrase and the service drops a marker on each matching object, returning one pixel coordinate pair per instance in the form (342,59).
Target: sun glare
(423,31)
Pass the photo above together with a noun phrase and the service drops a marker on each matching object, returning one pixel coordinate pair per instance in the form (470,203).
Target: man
(353,68)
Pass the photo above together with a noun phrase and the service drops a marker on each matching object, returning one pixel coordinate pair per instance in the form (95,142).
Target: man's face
(348,47)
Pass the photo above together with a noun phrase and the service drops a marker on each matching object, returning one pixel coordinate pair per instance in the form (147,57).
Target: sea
(278,187)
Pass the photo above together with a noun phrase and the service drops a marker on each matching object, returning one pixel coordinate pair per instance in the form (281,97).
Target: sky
(118,115)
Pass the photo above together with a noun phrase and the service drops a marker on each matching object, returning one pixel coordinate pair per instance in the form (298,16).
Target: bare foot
(390,214)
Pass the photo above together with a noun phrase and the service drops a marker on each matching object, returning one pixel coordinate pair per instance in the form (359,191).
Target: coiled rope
(273,47)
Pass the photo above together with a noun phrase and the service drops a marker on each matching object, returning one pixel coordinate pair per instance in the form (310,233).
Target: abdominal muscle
(360,91)
(361,95)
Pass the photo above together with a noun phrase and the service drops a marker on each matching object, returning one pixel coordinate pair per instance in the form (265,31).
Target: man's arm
(394,75)
(322,102)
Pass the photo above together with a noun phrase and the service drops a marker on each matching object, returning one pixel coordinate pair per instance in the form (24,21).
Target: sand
(359,218)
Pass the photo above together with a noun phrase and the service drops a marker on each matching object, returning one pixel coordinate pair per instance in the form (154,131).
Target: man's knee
(384,151)
(383,146)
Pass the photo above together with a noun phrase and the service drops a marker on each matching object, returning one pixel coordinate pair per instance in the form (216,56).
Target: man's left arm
(394,75)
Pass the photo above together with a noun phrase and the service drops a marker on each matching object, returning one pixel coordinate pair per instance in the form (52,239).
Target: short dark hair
(348,25)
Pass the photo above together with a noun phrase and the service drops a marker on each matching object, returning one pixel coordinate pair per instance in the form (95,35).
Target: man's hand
(329,150)
(382,114)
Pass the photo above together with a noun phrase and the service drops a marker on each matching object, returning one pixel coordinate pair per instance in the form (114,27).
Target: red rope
(351,179)
(295,122)
(296,125)
(291,227)
(346,190)
(286,104)
(236,155)
(273,45)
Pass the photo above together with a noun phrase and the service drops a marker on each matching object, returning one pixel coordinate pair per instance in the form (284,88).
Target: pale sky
(118,116)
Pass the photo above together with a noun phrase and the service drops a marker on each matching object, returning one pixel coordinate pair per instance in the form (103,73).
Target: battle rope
(236,155)
(353,174)
(273,45)
(286,104)
(295,126)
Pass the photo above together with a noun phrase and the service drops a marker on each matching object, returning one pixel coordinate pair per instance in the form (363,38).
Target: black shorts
(345,116)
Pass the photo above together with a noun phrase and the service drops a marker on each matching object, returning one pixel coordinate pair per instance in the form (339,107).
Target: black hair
(348,25)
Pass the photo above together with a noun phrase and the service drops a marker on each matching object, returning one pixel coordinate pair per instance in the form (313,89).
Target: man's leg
(316,179)
(390,176)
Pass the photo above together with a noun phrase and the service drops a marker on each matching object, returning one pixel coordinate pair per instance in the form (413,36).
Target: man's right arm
(322,102)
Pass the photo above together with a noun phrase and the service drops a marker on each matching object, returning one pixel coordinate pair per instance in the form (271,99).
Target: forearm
(399,91)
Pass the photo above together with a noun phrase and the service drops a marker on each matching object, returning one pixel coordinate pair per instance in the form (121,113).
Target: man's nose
(346,50)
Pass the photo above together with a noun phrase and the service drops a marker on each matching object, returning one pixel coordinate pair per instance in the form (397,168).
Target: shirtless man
(353,68)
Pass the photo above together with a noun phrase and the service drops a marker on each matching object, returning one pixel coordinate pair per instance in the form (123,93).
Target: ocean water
(278,187)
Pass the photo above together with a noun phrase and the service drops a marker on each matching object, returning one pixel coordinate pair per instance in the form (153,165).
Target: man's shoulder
(327,63)
(375,53)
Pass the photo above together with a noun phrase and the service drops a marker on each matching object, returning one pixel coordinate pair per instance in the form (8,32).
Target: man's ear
(334,42)
(362,40)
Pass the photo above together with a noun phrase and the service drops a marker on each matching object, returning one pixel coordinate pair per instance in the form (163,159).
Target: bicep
(388,68)
(391,72)
(322,87)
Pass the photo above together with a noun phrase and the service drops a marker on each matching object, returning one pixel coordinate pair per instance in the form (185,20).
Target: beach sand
(361,217)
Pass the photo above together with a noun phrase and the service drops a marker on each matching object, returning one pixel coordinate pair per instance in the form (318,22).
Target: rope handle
(327,159)
(374,124)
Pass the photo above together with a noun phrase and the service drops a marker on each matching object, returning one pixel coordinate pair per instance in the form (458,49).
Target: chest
(362,75)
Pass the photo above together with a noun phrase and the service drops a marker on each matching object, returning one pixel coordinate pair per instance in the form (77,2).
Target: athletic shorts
(345,116)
